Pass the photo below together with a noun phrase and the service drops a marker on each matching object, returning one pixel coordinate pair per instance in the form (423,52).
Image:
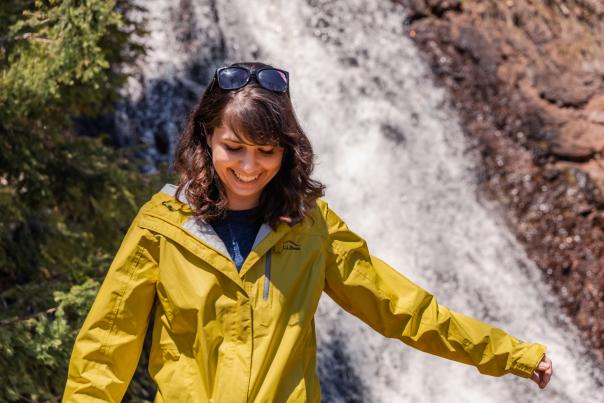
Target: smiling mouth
(245,178)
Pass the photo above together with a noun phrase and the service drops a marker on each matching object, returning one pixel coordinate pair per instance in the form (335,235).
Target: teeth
(245,178)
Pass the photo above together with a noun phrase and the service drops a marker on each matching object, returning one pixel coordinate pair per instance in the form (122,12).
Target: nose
(248,162)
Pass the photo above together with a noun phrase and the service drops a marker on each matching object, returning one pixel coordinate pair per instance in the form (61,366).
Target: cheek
(220,159)
(273,165)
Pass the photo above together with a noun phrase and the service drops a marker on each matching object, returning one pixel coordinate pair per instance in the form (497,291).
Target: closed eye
(267,152)
(233,149)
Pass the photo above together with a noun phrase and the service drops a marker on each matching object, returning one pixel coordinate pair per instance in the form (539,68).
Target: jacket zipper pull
(267,274)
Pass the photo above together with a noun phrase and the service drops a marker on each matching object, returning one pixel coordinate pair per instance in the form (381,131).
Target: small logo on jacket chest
(290,245)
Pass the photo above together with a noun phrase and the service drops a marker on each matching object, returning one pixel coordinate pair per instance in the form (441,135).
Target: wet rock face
(528,80)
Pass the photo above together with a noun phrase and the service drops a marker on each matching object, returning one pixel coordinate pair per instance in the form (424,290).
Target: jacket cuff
(527,359)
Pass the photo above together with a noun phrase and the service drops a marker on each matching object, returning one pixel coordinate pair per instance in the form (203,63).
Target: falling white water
(398,171)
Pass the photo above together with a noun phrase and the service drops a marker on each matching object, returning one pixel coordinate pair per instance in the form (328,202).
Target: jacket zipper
(267,274)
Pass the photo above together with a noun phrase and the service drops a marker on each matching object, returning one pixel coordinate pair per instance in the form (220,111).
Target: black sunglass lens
(232,78)
(273,80)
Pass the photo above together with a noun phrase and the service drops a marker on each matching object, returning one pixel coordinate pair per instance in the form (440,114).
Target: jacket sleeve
(368,288)
(108,346)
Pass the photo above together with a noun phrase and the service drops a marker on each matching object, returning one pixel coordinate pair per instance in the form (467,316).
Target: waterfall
(398,170)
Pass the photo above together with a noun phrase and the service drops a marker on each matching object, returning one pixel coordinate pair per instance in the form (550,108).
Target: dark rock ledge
(527,78)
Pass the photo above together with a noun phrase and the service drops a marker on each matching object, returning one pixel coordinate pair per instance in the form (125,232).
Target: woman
(233,261)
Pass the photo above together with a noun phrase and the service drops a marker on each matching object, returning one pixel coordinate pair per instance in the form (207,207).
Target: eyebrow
(239,141)
(235,138)
(235,133)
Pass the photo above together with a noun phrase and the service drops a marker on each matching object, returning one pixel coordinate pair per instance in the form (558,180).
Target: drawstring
(267,274)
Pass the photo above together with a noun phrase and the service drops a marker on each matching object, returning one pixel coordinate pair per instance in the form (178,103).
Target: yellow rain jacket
(225,336)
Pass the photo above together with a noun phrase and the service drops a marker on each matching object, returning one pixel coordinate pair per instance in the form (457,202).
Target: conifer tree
(66,199)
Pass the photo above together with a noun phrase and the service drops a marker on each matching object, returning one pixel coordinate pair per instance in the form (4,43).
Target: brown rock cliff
(527,78)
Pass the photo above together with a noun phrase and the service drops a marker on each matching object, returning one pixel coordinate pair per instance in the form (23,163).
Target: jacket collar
(264,241)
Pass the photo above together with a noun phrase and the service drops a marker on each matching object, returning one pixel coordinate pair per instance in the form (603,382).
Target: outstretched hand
(543,373)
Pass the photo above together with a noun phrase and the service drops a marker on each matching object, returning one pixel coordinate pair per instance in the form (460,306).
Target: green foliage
(37,348)
(58,51)
(65,200)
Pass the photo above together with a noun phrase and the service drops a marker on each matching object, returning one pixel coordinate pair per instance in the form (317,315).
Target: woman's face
(243,168)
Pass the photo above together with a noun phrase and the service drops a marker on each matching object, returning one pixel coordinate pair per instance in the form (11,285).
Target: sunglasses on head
(235,77)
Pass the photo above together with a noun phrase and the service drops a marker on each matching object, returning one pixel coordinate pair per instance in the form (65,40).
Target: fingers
(547,373)
(543,372)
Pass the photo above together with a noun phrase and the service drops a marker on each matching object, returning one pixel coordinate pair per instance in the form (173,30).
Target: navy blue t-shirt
(238,230)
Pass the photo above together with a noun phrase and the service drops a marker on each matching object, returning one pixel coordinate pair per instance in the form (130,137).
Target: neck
(239,203)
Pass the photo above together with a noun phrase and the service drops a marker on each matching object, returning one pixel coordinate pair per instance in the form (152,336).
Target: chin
(238,191)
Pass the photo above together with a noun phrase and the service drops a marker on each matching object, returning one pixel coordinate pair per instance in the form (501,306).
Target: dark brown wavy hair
(259,116)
